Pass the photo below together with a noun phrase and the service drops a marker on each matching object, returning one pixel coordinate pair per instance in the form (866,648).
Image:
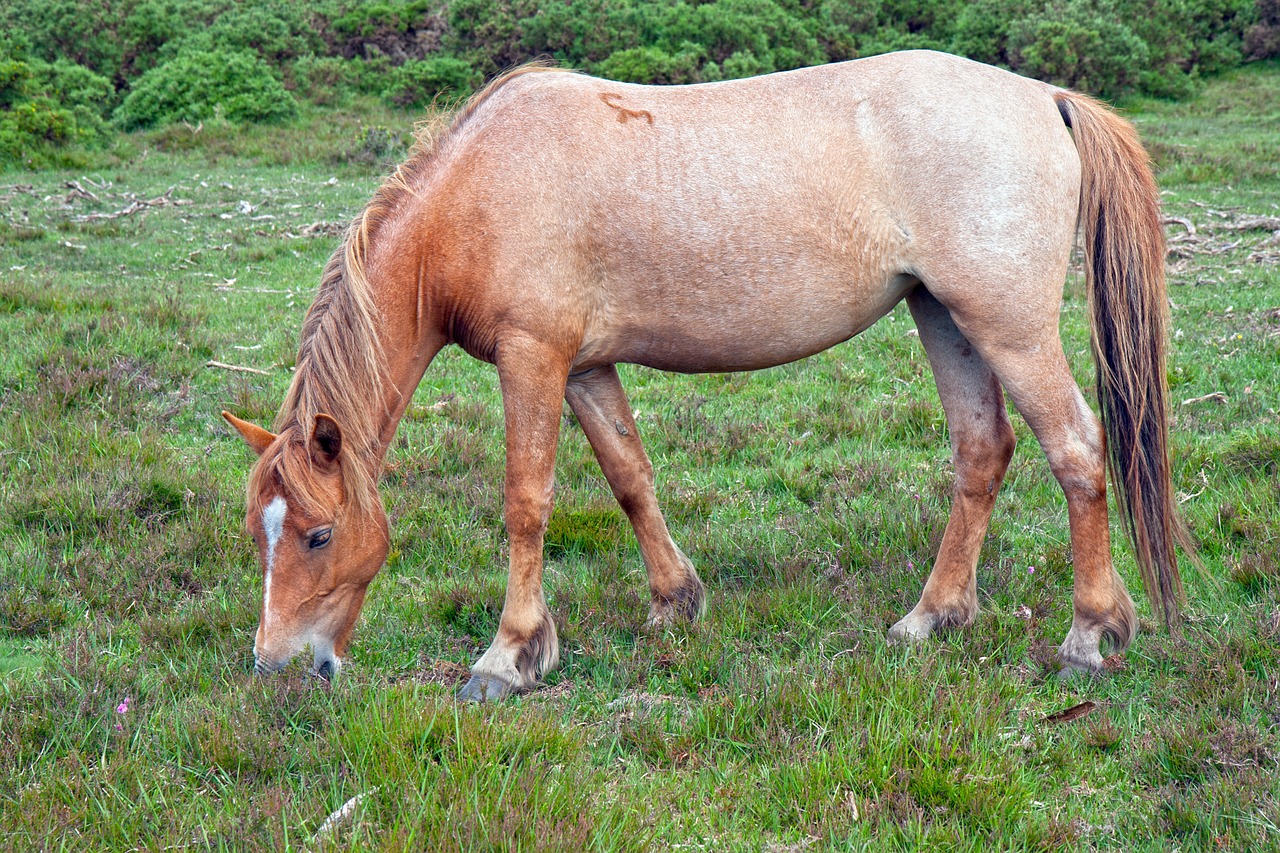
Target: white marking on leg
(273,528)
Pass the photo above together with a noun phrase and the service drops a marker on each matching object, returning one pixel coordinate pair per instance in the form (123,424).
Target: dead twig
(134,207)
(1068,715)
(1252,223)
(322,229)
(339,818)
(1216,396)
(1178,220)
(78,191)
(237,368)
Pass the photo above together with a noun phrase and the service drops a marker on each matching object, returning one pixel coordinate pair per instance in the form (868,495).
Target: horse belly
(702,320)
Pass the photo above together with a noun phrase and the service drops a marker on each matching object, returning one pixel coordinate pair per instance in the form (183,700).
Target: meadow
(141,297)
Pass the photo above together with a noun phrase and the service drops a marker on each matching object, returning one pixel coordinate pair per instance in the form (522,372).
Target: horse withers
(563,224)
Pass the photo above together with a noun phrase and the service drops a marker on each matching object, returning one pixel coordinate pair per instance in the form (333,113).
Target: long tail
(1124,261)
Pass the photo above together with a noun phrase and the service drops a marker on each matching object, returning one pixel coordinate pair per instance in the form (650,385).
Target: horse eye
(321,537)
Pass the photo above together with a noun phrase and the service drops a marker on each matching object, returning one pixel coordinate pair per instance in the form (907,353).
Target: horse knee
(527,516)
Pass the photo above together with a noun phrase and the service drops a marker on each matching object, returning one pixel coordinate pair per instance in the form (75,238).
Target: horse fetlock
(485,688)
(687,602)
(1093,628)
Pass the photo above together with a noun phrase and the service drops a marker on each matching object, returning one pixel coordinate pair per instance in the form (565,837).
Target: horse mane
(340,357)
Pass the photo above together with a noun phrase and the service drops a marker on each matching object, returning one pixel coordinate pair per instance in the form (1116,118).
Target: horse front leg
(602,409)
(532,378)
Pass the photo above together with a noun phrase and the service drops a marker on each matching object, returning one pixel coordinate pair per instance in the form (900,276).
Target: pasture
(810,497)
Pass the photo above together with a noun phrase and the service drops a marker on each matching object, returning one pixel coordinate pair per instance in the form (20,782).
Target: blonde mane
(340,366)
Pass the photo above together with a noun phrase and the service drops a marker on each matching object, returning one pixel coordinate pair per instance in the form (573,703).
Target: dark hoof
(484,688)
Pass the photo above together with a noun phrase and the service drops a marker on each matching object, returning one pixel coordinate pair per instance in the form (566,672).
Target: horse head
(318,547)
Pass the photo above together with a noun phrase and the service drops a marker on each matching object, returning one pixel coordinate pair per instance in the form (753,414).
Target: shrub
(43,105)
(326,80)
(490,33)
(195,86)
(85,32)
(762,32)
(1262,41)
(1078,45)
(278,32)
(650,65)
(839,23)
(419,82)
(982,29)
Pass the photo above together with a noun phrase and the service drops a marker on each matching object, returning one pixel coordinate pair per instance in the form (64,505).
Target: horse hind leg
(981,445)
(601,407)
(1034,372)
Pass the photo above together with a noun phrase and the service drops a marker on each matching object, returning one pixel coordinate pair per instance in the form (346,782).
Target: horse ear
(326,443)
(255,436)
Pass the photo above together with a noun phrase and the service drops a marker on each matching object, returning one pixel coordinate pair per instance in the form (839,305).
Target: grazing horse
(563,224)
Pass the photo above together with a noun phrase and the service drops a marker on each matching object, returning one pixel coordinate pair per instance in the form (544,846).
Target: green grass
(811,497)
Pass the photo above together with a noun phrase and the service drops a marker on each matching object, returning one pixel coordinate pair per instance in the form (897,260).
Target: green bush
(278,32)
(489,34)
(1080,45)
(981,29)
(44,106)
(237,85)
(650,65)
(419,82)
(371,18)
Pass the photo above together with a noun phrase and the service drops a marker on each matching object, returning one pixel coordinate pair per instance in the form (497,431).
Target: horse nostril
(326,670)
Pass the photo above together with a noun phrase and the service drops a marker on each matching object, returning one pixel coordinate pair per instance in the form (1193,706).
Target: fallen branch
(1071,714)
(322,229)
(133,207)
(78,191)
(1252,223)
(1178,220)
(1216,396)
(237,368)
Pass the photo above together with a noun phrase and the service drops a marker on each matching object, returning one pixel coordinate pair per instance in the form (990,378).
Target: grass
(811,497)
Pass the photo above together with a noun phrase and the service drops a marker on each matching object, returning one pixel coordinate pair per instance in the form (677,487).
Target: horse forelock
(284,470)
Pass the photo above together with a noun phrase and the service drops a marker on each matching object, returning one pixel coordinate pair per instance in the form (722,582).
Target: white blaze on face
(273,529)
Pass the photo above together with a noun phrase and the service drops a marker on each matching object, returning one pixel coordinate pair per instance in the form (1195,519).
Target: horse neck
(410,334)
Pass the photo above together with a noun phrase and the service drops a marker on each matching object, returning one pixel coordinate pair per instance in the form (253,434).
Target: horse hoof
(484,688)
(911,629)
(1079,652)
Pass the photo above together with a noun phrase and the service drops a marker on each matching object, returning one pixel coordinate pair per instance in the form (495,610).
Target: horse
(564,224)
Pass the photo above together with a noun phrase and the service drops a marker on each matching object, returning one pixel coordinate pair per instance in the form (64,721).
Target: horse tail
(1124,277)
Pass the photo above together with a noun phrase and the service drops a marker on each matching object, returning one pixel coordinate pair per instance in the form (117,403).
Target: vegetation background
(173,177)
(76,71)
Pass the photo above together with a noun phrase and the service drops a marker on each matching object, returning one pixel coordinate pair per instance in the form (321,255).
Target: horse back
(663,224)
